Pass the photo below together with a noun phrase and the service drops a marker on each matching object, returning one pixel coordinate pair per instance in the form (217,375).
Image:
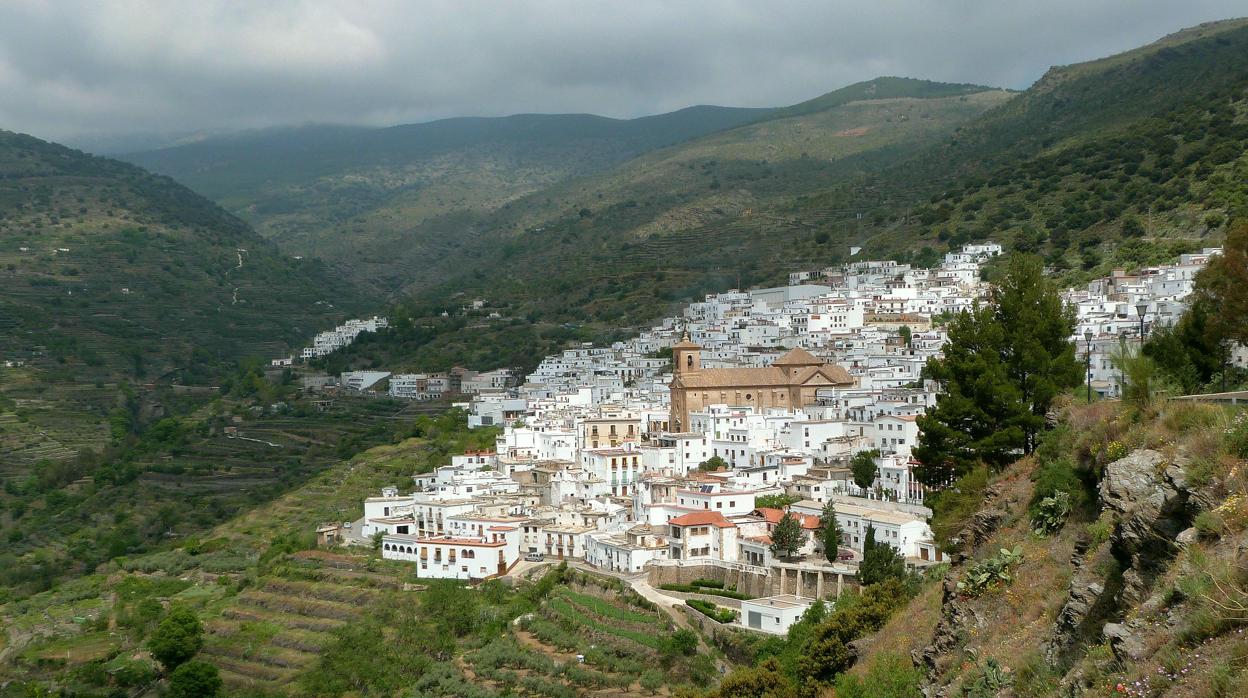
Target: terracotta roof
(773,517)
(798,357)
(685,344)
(703,518)
(760,377)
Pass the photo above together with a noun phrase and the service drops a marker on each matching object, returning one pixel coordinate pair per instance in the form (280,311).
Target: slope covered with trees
(360,197)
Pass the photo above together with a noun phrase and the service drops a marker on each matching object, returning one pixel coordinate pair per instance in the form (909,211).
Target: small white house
(444,557)
(773,614)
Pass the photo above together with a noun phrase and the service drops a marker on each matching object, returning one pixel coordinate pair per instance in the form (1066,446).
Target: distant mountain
(109,273)
(615,248)
(331,190)
(1122,161)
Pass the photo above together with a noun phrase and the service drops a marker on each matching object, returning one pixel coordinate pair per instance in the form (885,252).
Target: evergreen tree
(830,532)
(1223,284)
(178,637)
(880,561)
(863,467)
(1004,364)
(195,679)
(787,536)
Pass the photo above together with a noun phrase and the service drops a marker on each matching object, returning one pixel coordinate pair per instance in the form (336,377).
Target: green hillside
(351,195)
(111,271)
(1122,161)
(125,300)
(1118,161)
(603,253)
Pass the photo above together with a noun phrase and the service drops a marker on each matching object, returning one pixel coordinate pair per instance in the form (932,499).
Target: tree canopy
(880,561)
(195,679)
(1004,364)
(787,536)
(178,637)
(863,467)
(712,464)
(830,533)
(1193,353)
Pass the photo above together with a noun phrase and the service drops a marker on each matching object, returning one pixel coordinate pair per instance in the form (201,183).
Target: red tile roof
(773,516)
(703,518)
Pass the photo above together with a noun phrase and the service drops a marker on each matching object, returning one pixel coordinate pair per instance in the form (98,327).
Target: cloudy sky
(83,71)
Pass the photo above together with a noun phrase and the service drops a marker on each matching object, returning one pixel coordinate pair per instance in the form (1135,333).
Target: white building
(773,614)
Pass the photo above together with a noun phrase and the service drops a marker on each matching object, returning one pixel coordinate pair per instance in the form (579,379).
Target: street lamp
(1141,308)
(1226,360)
(1087,338)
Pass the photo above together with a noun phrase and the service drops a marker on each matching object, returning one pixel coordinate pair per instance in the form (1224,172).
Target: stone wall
(749,583)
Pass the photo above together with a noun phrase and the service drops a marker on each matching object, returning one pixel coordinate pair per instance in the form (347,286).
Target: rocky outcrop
(1085,591)
(1153,503)
(1124,642)
(956,620)
(980,528)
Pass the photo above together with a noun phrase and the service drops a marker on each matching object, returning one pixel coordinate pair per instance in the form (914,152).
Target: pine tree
(787,536)
(1004,364)
(830,532)
(880,561)
(1223,284)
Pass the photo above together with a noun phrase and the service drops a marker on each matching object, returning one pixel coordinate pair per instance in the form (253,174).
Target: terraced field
(620,640)
(276,629)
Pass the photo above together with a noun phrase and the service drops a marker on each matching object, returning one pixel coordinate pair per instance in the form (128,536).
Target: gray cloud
(80,70)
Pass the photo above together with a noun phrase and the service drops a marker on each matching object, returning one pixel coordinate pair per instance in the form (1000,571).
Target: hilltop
(1123,161)
(352,195)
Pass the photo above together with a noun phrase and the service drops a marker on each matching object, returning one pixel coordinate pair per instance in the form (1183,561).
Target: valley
(914,388)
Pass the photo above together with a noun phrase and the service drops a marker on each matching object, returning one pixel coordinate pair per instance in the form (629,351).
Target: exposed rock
(1186,537)
(956,619)
(1085,591)
(1154,505)
(1125,644)
(981,527)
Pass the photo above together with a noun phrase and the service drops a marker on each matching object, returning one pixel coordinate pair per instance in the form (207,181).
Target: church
(791,383)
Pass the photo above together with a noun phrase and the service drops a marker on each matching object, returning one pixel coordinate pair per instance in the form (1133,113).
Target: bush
(178,637)
(710,610)
(690,589)
(1050,514)
(1237,435)
(891,676)
(708,583)
(195,680)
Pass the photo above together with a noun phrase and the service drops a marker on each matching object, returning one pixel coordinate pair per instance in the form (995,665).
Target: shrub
(706,608)
(1237,435)
(891,676)
(195,680)
(1116,450)
(690,589)
(709,583)
(1100,530)
(651,680)
(991,573)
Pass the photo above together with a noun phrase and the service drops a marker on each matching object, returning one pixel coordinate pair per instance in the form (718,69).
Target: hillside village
(684,447)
